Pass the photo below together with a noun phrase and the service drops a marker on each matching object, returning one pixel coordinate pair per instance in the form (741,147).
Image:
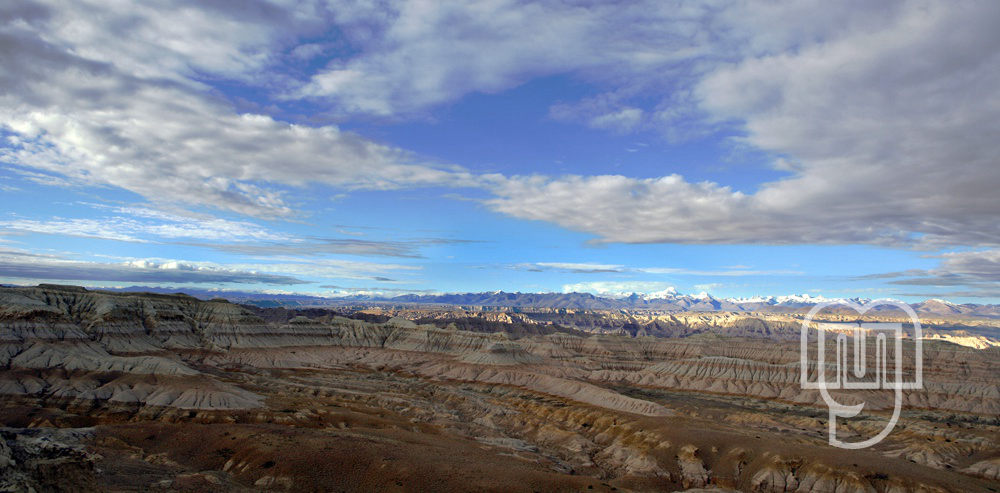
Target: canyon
(121,391)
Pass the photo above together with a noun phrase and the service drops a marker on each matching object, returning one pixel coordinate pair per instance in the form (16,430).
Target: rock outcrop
(716,405)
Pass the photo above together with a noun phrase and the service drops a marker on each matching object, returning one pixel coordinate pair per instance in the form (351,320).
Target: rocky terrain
(663,302)
(978,333)
(159,392)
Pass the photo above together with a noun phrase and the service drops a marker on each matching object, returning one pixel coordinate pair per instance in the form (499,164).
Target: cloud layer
(22,265)
(886,130)
(128,110)
(870,107)
(976,274)
(882,115)
(417,54)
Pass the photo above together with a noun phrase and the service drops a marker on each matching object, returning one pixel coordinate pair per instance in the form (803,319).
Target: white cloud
(39,178)
(142,225)
(728,272)
(883,113)
(578,267)
(319,246)
(15,264)
(722,273)
(623,120)
(605,111)
(20,264)
(417,54)
(327,268)
(871,107)
(127,110)
(623,209)
(595,268)
(977,272)
(708,287)
(88,228)
(889,125)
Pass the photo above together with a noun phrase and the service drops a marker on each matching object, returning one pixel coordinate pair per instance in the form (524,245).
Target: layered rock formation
(717,405)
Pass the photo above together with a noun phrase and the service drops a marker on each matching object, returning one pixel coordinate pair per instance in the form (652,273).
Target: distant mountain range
(678,302)
(578,301)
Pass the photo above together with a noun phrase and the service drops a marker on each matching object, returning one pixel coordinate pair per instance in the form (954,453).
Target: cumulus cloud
(128,110)
(888,124)
(625,209)
(172,39)
(870,107)
(417,54)
(882,113)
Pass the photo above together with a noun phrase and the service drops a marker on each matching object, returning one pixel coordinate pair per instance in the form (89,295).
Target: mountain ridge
(575,300)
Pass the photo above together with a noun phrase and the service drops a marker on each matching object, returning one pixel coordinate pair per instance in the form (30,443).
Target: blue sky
(335,148)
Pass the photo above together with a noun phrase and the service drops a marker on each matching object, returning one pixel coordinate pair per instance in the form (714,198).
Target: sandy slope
(641,413)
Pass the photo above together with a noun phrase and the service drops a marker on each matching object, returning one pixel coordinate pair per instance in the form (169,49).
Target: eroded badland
(128,392)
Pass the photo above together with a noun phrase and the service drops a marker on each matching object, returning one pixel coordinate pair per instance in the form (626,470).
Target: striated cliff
(717,404)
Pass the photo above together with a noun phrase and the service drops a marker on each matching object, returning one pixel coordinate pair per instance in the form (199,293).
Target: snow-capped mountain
(667,300)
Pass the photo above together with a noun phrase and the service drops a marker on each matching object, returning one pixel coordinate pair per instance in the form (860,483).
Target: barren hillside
(174,393)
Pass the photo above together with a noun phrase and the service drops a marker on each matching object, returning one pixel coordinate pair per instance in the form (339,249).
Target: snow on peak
(943,302)
(803,298)
(806,298)
(753,299)
(668,293)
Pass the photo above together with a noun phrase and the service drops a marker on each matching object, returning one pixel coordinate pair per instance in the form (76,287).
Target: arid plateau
(119,391)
